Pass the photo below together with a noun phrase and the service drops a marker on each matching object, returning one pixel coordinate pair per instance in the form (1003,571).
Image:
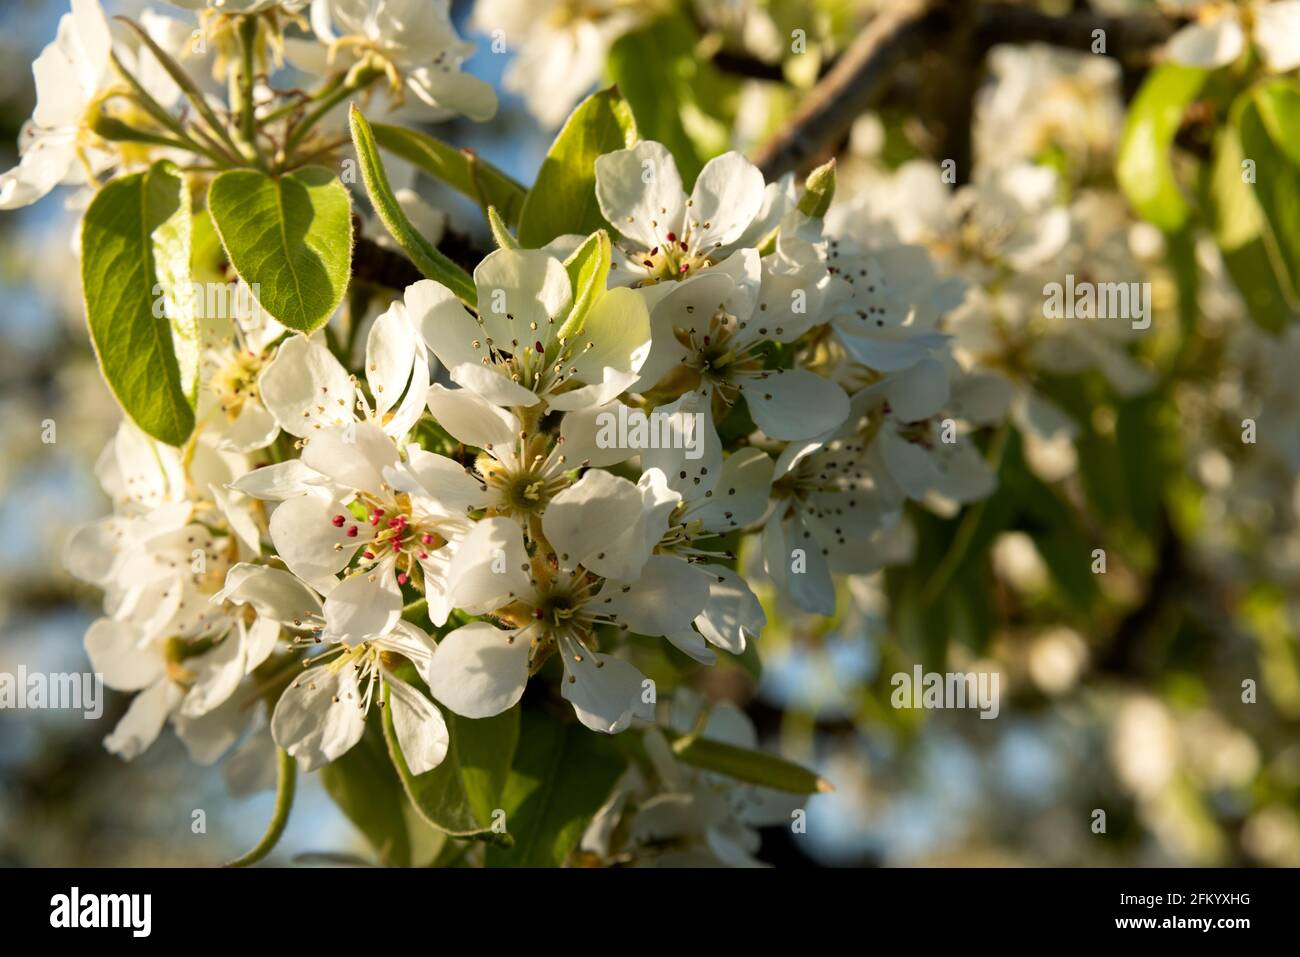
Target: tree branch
(1127,37)
(852,86)
(857,79)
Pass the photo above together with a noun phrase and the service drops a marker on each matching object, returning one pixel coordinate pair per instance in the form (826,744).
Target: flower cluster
(675,398)
(465,469)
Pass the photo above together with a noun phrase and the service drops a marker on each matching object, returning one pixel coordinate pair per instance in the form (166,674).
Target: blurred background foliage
(1121,691)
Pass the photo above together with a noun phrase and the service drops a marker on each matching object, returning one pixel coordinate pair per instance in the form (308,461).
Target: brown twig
(1130,37)
(859,77)
(850,87)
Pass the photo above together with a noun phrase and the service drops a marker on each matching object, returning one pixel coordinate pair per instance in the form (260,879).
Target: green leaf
(818,190)
(1269,127)
(135,278)
(563,200)
(754,767)
(460,795)
(588,270)
(500,231)
(1249,250)
(364,786)
(1144,170)
(462,170)
(433,264)
(562,774)
(674,94)
(289,239)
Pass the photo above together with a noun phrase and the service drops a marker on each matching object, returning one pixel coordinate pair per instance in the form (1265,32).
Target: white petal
(448,328)
(643,211)
(217,674)
(254,428)
(1277,34)
(488,568)
(664,600)
(795,403)
(582,431)
(606,692)
(45,163)
(259,642)
(319,716)
(918,393)
(492,384)
(727,196)
(910,464)
(274,594)
(795,562)
(890,350)
(354,456)
(658,503)
(618,333)
(305,388)
(421,730)
(739,497)
(980,398)
(237,510)
(692,464)
(390,356)
(277,482)
(143,720)
(207,737)
(1208,45)
(473,420)
(114,651)
(583,524)
(366,604)
(692,644)
(443,480)
(91,552)
(479,670)
(464,93)
(398,416)
(305,537)
(733,613)
(412,643)
(519,287)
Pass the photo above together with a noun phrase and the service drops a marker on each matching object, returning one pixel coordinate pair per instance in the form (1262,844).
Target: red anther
(367,554)
(684,246)
(538,346)
(338,521)
(685,266)
(655,251)
(707,340)
(374,519)
(421,555)
(647,262)
(672,237)
(402,578)
(352,531)
(426,538)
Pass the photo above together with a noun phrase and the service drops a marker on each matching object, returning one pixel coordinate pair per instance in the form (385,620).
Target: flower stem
(286,781)
(247,79)
(332,99)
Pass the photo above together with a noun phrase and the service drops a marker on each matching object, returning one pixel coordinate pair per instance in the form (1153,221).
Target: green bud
(818,190)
